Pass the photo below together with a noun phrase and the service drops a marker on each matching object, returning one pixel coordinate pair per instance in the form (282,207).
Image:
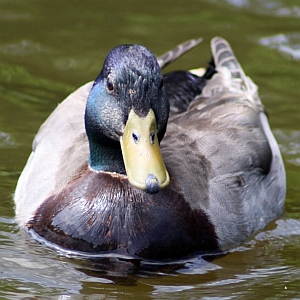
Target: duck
(153,166)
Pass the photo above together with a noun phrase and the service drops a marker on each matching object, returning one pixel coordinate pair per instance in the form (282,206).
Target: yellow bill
(143,161)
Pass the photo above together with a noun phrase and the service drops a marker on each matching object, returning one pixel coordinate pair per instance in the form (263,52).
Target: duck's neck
(105,158)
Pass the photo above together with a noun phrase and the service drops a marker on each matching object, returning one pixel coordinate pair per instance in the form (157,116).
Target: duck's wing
(182,87)
(170,56)
(223,155)
(59,153)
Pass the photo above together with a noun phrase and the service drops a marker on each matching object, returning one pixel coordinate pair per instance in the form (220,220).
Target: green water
(48,48)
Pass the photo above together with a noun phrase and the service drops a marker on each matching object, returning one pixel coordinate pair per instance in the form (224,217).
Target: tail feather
(225,58)
(172,55)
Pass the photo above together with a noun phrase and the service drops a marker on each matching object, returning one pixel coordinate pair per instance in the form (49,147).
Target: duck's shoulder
(102,212)
(59,153)
(66,120)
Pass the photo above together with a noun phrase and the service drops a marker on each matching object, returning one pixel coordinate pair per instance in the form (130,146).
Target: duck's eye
(135,137)
(152,137)
(109,85)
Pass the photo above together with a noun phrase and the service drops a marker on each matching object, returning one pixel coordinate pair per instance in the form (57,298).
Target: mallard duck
(152,166)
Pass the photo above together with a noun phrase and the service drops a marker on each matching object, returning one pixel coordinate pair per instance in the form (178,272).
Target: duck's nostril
(152,184)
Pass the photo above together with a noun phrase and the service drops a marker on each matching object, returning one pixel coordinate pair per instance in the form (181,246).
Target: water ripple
(6,141)
(289,143)
(288,44)
(23,47)
(274,7)
(284,228)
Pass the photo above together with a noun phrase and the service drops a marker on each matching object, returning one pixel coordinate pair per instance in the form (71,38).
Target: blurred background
(49,48)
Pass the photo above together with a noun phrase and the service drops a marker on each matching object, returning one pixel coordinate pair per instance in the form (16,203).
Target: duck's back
(224,154)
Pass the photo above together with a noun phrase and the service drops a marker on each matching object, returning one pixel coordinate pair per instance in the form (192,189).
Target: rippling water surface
(48,48)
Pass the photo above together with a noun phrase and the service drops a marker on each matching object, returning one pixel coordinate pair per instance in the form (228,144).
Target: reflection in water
(22,48)
(5,140)
(239,3)
(284,228)
(293,11)
(270,7)
(123,269)
(45,267)
(289,143)
(288,44)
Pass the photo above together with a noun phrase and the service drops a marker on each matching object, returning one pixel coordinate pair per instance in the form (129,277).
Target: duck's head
(126,118)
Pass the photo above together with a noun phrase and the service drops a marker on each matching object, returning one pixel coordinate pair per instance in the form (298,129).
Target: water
(48,48)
